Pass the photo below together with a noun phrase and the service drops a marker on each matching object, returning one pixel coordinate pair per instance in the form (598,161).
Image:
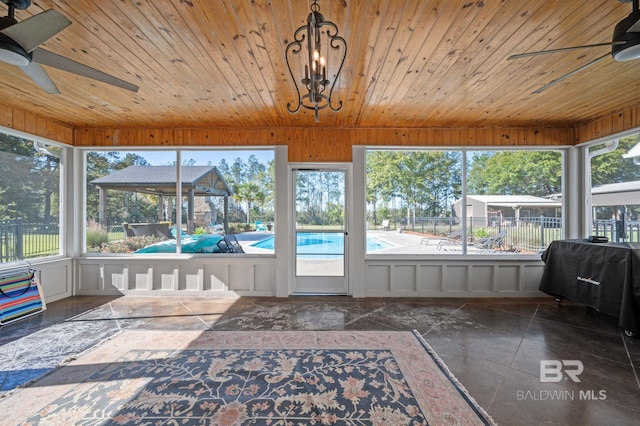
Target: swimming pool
(323,243)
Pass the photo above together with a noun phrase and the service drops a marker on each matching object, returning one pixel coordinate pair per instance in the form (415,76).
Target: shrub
(128,245)
(96,235)
(482,233)
(200,231)
(237,228)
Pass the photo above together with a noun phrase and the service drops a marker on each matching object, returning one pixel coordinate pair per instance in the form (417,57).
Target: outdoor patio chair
(529,249)
(385,225)
(454,237)
(128,231)
(159,229)
(229,244)
(493,242)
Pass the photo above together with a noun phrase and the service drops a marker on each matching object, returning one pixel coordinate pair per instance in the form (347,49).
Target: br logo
(554,371)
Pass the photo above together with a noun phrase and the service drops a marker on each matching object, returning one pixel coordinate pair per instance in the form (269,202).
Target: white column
(282,223)
(357,231)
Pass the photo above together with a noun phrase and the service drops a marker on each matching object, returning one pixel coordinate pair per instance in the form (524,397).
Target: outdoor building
(160,181)
(616,194)
(508,209)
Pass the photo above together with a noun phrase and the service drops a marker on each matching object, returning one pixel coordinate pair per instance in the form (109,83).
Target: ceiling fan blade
(40,76)
(562,49)
(564,77)
(51,59)
(34,31)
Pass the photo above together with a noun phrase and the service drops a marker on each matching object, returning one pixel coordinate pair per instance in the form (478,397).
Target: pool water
(323,243)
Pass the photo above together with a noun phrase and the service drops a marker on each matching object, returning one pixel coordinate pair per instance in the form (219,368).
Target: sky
(203,158)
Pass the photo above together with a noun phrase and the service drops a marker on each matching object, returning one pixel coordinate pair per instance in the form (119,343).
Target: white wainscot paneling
(224,275)
(431,278)
(56,278)
(496,277)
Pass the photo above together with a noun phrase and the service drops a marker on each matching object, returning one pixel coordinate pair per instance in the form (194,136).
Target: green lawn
(36,245)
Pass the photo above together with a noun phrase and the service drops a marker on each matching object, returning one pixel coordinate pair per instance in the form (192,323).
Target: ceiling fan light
(628,53)
(630,49)
(12,54)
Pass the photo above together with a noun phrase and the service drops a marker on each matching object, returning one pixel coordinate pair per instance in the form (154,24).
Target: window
(29,198)
(512,203)
(411,193)
(615,193)
(415,201)
(134,205)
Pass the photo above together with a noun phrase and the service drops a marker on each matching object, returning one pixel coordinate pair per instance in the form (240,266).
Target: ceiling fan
(625,45)
(19,43)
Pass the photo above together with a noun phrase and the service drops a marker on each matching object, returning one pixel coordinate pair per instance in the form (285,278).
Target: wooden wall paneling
(6,116)
(24,121)
(624,120)
(325,144)
(606,125)
(36,125)
(632,118)
(167,137)
(466,135)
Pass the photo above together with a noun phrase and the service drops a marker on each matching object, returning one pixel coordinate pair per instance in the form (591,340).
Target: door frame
(347,168)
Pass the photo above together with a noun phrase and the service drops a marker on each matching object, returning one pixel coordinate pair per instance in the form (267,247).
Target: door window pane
(320,223)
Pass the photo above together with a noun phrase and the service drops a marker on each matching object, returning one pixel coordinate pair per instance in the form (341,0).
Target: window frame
(562,150)
(63,179)
(179,151)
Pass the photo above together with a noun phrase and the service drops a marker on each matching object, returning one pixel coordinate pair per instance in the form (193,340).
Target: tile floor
(493,346)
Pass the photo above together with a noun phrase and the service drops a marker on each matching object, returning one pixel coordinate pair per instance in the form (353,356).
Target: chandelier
(315,80)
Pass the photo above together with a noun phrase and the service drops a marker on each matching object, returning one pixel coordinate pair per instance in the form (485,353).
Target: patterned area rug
(234,378)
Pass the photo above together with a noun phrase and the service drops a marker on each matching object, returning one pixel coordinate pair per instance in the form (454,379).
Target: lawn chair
(229,244)
(385,225)
(260,227)
(454,237)
(493,242)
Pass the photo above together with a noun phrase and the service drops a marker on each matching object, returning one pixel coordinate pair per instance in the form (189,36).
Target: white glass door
(320,231)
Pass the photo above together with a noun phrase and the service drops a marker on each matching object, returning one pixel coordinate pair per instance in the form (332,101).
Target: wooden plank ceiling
(410,63)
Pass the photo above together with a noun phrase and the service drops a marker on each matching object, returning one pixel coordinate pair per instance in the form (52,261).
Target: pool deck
(405,242)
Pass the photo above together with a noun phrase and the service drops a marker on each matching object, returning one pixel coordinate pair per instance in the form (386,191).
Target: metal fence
(20,240)
(526,234)
(617,230)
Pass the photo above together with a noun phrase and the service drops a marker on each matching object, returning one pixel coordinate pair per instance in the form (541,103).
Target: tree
(537,173)
(30,180)
(248,192)
(423,182)
(132,207)
(612,167)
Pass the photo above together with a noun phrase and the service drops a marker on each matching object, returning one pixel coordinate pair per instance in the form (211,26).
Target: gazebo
(195,181)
